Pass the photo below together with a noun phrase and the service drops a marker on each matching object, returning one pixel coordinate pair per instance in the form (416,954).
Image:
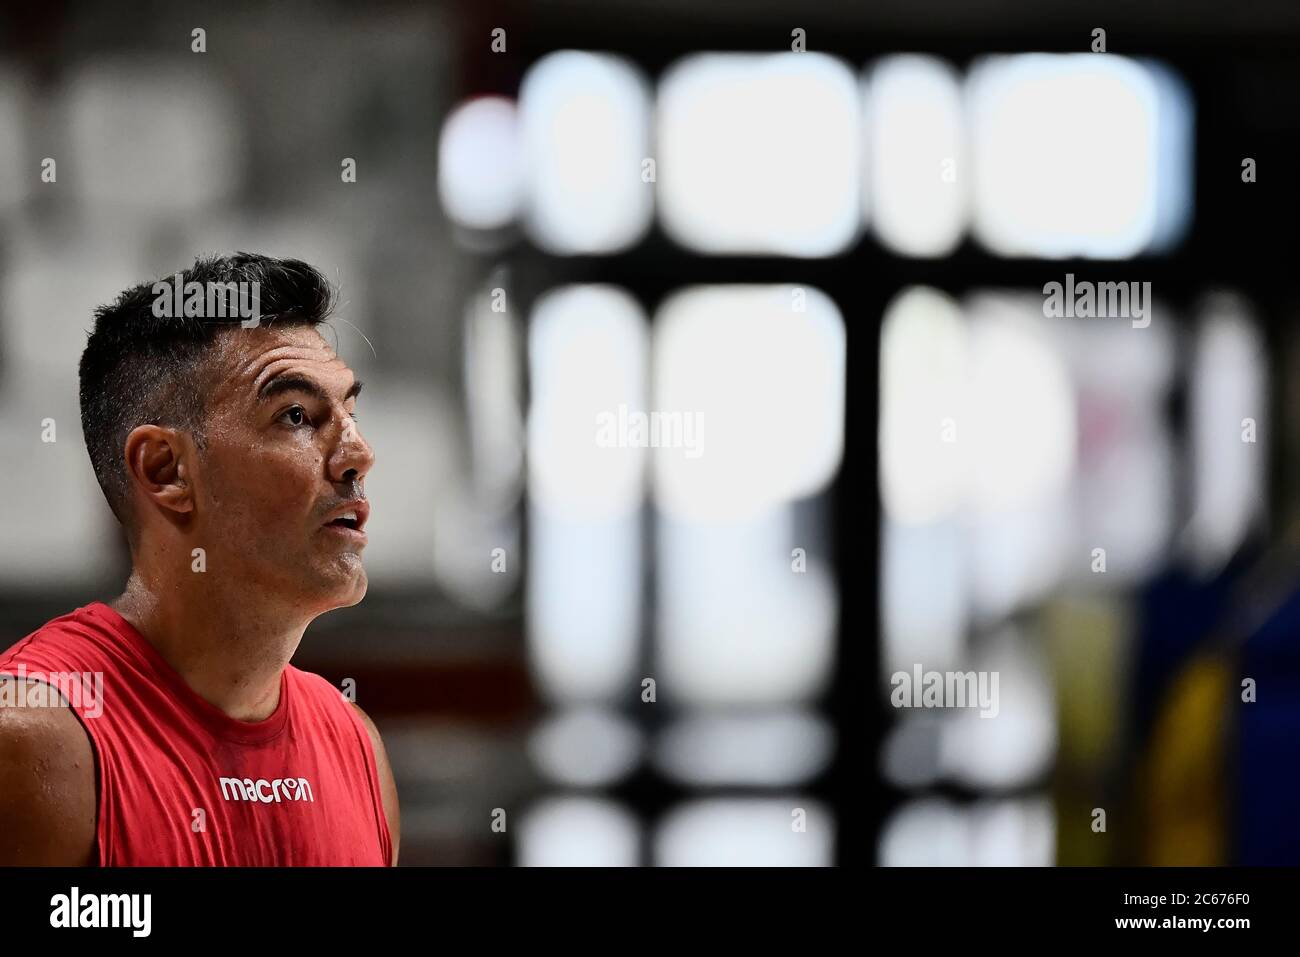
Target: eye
(296,411)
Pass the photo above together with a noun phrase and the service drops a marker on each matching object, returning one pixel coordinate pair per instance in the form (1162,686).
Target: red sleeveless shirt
(181,783)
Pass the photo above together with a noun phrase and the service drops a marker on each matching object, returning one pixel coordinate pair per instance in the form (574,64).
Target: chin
(358,592)
(344,591)
(355,590)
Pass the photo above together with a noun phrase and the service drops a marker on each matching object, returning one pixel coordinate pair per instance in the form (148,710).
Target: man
(223,435)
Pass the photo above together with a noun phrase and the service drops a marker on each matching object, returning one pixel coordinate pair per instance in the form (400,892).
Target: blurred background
(821,235)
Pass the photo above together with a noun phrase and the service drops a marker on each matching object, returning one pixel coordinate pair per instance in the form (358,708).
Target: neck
(226,647)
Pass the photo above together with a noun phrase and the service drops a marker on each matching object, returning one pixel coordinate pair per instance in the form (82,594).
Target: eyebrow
(297,383)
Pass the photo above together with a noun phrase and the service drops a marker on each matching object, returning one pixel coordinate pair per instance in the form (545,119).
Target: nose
(352,457)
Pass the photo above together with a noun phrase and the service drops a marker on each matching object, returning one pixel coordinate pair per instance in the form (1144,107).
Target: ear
(158,463)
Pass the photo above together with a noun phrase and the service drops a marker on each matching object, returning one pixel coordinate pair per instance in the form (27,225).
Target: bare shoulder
(387,786)
(47,804)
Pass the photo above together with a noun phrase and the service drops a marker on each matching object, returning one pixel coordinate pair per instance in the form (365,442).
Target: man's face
(283,458)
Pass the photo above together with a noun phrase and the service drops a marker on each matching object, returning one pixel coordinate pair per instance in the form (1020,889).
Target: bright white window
(916,170)
(758,373)
(586,126)
(480,176)
(587,350)
(760,153)
(1069,155)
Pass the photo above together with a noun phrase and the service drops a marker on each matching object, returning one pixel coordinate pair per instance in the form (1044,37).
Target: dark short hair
(140,368)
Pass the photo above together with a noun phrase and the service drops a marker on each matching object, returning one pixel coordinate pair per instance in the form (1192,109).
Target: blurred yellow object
(1183,784)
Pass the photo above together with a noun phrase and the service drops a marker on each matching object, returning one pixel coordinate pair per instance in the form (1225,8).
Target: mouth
(349,520)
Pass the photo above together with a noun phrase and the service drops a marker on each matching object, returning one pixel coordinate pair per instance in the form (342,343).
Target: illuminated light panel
(777,748)
(1071,156)
(1021,416)
(760,153)
(480,169)
(586,125)
(1021,435)
(586,747)
(1015,743)
(917,179)
(923,396)
(734,626)
(582,604)
(1228,386)
(746,832)
(587,352)
(924,595)
(936,832)
(578,832)
(762,370)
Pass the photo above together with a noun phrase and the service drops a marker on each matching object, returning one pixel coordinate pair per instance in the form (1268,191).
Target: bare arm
(387,786)
(47,786)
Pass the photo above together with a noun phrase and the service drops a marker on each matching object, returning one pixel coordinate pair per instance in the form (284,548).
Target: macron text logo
(281,789)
